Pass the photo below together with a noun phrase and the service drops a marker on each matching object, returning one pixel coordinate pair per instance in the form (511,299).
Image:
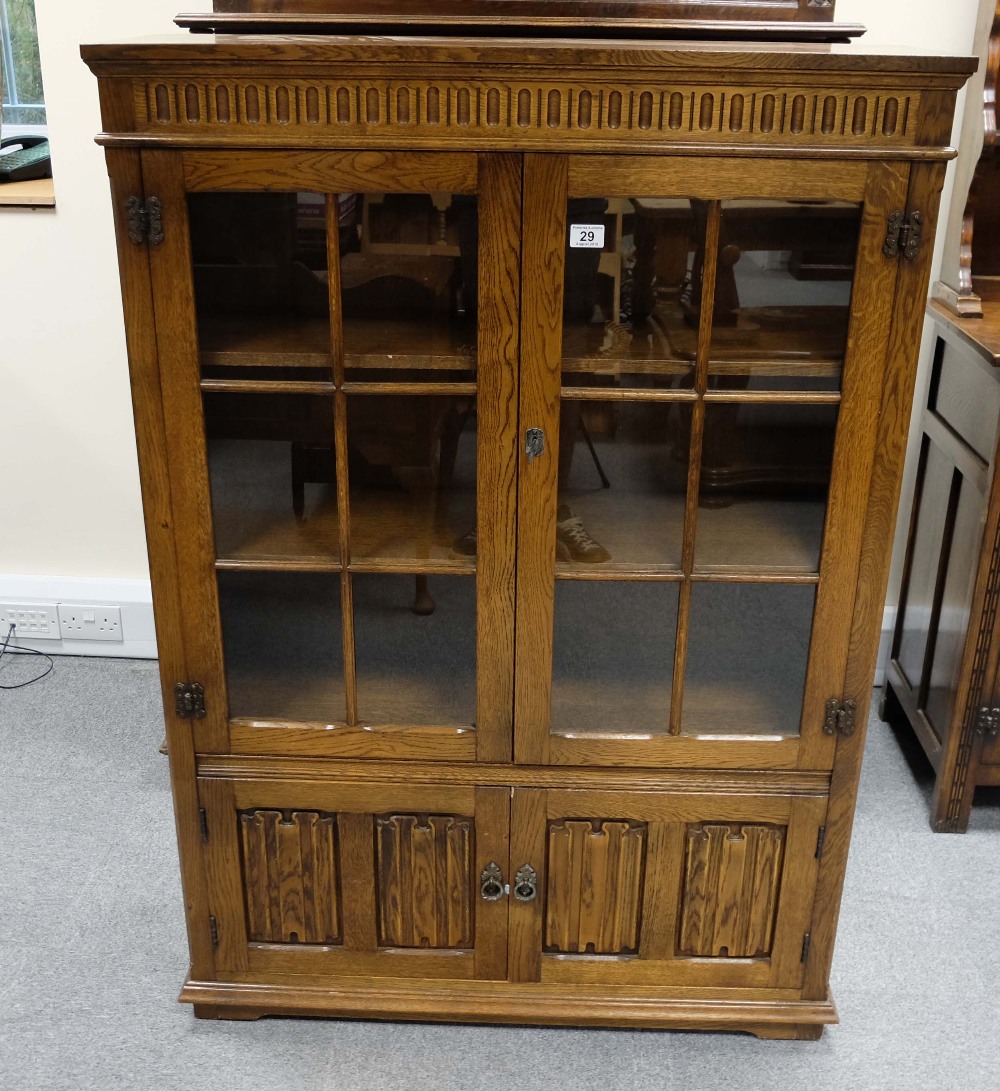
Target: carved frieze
(525,112)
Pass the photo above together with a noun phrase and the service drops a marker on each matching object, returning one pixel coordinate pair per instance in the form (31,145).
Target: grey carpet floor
(92,943)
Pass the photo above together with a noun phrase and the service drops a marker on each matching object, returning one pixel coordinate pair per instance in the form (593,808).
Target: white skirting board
(133,597)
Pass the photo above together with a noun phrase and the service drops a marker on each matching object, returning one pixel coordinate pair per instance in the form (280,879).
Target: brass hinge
(189,700)
(820,838)
(840,716)
(806,944)
(203,822)
(145,220)
(904,234)
(988,722)
(213,928)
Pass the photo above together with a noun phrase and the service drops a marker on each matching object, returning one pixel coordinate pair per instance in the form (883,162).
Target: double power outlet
(52,621)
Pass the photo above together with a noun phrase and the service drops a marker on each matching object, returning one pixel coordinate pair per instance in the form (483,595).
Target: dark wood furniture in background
(942,678)
(611,779)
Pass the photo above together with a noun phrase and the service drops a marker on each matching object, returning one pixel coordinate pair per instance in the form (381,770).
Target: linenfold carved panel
(594,890)
(526,111)
(290,875)
(732,879)
(424,879)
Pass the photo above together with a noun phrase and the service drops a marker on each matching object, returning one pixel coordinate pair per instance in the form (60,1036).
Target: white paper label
(586,236)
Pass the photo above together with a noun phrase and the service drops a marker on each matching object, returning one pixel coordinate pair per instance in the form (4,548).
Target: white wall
(69,492)
(69,495)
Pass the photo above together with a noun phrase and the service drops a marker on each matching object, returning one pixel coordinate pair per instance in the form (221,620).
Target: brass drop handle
(491,884)
(525,884)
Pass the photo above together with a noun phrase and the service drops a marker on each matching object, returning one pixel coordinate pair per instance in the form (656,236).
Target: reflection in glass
(622,480)
(764,483)
(408,270)
(415,669)
(613,657)
(748,646)
(956,602)
(281,638)
(266,505)
(624,322)
(918,600)
(260,279)
(782,293)
(412,478)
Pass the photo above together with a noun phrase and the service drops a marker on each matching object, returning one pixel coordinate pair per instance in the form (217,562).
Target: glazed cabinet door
(338,337)
(355,879)
(666,888)
(702,342)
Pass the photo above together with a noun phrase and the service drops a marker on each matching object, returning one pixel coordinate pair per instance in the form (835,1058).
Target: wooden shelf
(788,341)
(390,532)
(297,341)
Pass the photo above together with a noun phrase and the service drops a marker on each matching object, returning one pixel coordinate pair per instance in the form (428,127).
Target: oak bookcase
(521,424)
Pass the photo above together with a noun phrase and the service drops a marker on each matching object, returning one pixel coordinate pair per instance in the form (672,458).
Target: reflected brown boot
(573,540)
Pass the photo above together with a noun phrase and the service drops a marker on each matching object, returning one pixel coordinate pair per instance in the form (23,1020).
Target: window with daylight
(21,89)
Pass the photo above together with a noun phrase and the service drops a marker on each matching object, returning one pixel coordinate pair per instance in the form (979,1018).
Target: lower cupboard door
(660,888)
(356,879)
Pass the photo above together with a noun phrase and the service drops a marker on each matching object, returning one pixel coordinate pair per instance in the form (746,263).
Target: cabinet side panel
(125,170)
(926,180)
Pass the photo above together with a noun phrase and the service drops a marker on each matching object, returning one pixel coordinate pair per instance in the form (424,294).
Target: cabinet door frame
(496,178)
(550,181)
(659,890)
(354,808)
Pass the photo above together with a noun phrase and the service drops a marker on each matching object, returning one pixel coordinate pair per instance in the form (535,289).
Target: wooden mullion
(776,397)
(712,232)
(266,386)
(340,455)
(418,389)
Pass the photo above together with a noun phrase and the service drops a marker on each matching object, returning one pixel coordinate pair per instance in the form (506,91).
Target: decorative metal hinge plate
(820,838)
(988,722)
(189,700)
(213,929)
(534,443)
(806,944)
(904,234)
(840,717)
(203,822)
(145,220)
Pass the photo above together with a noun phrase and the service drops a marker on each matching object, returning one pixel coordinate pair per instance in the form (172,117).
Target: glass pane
(270,461)
(415,669)
(764,482)
(622,480)
(963,561)
(966,398)
(281,638)
(613,657)
(783,293)
(408,270)
(626,307)
(748,646)
(925,559)
(261,282)
(413,478)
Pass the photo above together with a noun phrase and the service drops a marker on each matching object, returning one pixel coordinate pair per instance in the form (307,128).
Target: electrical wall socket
(34,620)
(90,622)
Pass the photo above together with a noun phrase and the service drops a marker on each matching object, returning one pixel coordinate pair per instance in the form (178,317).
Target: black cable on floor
(6,649)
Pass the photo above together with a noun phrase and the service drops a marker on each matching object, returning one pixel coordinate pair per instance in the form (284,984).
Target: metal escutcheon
(491,883)
(525,883)
(534,443)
